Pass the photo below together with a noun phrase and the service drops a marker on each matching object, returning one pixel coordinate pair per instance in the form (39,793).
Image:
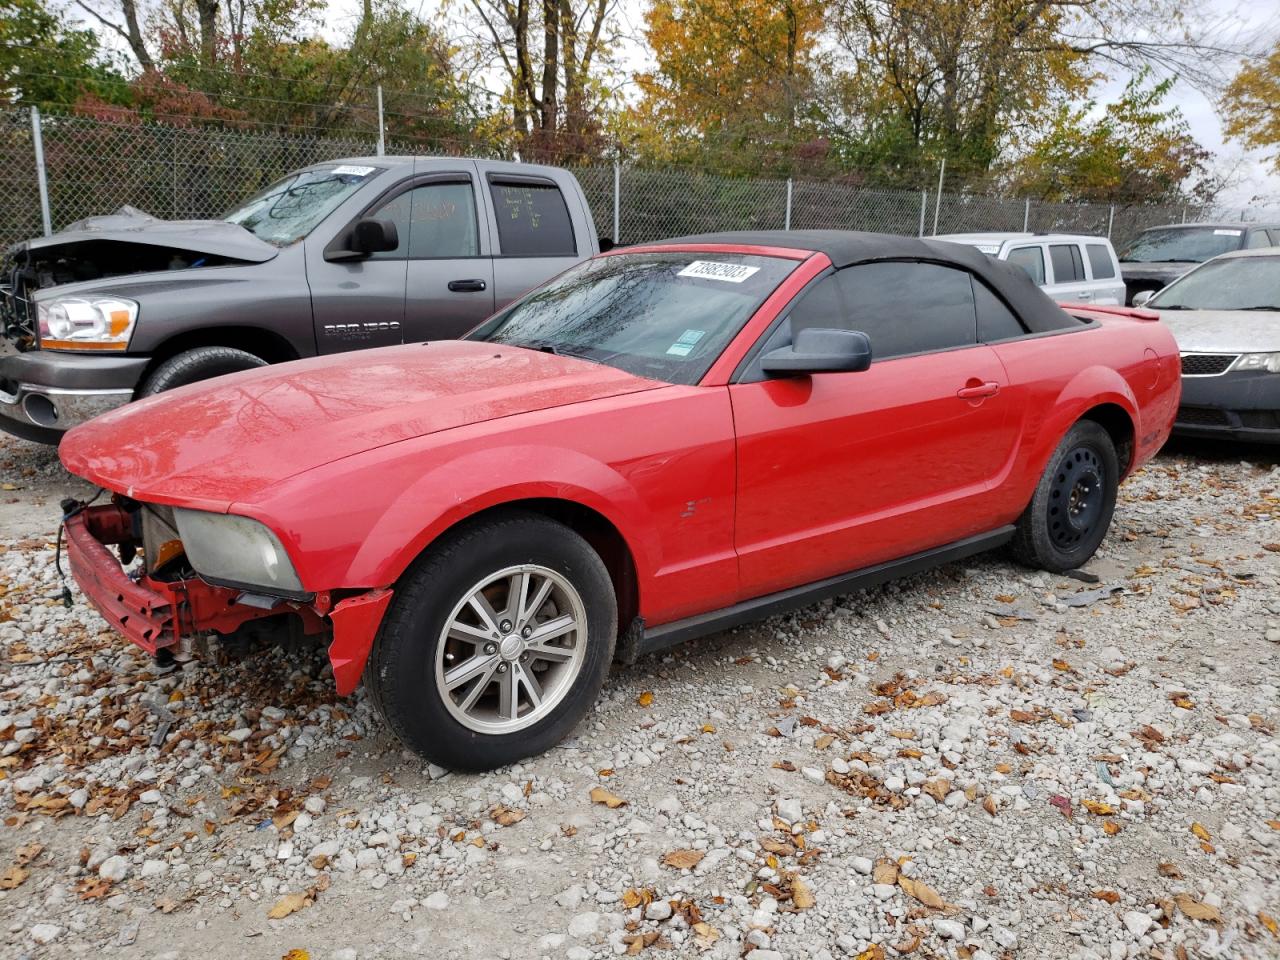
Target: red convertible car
(662,442)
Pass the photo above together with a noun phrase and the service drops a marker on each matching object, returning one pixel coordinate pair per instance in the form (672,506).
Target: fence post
(1111,220)
(937,207)
(617,202)
(37,141)
(787,222)
(1026,216)
(382,132)
(924,205)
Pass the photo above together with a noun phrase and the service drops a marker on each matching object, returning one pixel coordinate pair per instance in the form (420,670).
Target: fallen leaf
(505,816)
(1110,896)
(601,795)
(989,805)
(1196,910)
(1200,832)
(296,953)
(645,699)
(705,935)
(885,871)
(683,859)
(1269,922)
(918,890)
(1111,828)
(289,903)
(1021,716)
(13,878)
(93,888)
(873,952)
(1169,870)
(1062,803)
(801,896)
(1098,808)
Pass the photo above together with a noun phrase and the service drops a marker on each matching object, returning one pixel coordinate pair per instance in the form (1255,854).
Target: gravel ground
(984,762)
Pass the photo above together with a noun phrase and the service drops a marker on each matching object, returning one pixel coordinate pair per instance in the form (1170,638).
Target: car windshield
(1233,283)
(663,315)
(1188,244)
(287,211)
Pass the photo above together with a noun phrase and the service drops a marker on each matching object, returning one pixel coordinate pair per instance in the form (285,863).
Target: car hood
(1224,331)
(1165,271)
(130,225)
(212,444)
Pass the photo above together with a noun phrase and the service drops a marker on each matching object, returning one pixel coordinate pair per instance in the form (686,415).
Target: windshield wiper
(1269,307)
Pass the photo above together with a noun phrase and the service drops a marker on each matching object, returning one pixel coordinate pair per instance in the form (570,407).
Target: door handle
(467,286)
(976,391)
(1085,294)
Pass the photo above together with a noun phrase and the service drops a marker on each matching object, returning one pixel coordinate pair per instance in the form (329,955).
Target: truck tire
(1071,510)
(496,643)
(199,363)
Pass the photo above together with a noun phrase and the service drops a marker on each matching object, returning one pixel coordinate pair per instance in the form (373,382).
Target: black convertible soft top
(847,247)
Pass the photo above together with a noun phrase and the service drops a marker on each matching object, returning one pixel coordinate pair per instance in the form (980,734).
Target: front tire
(496,643)
(200,363)
(1071,510)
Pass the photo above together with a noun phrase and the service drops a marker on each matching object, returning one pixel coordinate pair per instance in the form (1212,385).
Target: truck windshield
(1186,244)
(1233,283)
(663,315)
(287,211)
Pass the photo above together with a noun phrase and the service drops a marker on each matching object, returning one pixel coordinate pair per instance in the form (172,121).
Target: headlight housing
(86,323)
(238,552)
(1268,362)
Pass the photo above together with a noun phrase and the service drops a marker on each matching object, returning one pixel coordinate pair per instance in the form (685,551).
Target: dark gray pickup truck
(338,256)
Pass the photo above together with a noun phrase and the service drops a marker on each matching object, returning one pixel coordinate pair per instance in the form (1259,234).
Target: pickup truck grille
(1207,364)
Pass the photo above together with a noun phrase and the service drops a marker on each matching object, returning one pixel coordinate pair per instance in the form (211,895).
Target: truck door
(536,238)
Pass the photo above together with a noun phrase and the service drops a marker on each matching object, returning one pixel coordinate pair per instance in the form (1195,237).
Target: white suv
(1068,267)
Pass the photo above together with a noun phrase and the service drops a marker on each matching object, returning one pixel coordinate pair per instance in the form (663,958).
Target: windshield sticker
(684,346)
(352,171)
(1227,233)
(710,270)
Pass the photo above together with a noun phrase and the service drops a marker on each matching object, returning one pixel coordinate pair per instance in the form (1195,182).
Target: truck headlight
(86,323)
(237,551)
(1269,362)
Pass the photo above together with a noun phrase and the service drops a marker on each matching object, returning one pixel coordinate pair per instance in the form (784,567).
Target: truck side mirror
(374,236)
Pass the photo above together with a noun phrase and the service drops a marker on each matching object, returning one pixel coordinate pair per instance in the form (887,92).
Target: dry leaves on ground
(683,859)
(610,800)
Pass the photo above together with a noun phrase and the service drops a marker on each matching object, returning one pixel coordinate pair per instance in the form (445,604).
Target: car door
(535,237)
(449,285)
(839,471)
(1104,274)
(1067,281)
(360,303)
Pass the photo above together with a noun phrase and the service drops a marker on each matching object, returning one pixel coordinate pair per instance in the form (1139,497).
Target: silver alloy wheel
(511,649)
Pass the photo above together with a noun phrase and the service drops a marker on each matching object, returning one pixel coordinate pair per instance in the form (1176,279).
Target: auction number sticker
(350,170)
(711,270)
(1227,233)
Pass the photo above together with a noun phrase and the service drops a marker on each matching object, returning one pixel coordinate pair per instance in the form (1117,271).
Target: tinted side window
(1100,261)
(903,307)
(995,320)
(1067,266)
(1030,259)
(443,221)
(1258,238)
(533,220)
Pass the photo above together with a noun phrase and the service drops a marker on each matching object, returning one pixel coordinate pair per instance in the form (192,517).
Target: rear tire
(1071,510)
(200,363)
(472,677)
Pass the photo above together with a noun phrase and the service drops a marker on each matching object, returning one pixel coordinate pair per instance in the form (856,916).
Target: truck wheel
(200,363)
(1071,509)
(496,643)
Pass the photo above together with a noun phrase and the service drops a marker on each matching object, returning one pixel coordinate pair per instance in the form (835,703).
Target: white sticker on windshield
(1227,233)
(352,171)
(684,346)
(710,270)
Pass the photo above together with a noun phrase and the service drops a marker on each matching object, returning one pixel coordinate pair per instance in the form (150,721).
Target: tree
(47,61)
(733,80)
(1251,105)
(1139,150)
(551,53)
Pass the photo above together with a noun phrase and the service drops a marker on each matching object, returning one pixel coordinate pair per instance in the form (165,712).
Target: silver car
(1225,315)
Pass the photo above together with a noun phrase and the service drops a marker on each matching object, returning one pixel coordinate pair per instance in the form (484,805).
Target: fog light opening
(40,410)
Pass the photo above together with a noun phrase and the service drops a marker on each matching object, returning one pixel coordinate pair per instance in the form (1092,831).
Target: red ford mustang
(663,442)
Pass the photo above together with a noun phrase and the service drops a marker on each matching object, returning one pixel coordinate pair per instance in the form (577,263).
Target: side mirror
(819,350)
(374,236)
(1142,296)
(606,244)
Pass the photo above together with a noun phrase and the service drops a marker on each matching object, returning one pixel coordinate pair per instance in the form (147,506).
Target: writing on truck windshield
(287,211)
(664,315)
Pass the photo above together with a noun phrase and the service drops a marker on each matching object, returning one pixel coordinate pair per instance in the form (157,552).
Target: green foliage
(1138,148)
(45,60)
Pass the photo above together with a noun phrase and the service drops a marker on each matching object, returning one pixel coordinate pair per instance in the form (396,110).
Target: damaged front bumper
(44,393)
(160,614)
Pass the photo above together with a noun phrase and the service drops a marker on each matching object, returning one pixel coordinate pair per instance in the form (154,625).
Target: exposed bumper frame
(156,615)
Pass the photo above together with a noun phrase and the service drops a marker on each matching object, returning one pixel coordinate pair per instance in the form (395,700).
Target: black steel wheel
(1071,510)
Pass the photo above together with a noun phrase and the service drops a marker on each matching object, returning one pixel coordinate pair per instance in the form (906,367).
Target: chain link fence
(197,172)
